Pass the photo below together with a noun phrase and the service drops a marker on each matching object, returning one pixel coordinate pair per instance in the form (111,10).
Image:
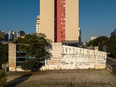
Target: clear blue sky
(96,17)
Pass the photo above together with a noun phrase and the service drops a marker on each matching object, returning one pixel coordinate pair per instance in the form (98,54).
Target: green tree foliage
(30,64)
(111,46)
(35,46)
(2,78)
(3,53)
(109,42)
(98,41)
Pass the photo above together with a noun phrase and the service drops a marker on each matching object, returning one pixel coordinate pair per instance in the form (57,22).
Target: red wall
(59,33)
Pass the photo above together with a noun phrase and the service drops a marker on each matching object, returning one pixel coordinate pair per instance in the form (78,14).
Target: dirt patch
(64,78)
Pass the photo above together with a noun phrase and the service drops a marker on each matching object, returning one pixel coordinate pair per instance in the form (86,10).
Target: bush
(2,78)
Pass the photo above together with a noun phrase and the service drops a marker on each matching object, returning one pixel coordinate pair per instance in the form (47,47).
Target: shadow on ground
(18,80)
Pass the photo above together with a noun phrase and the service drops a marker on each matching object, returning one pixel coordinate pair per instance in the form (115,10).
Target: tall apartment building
(59,19)
(10,36)
(37,24)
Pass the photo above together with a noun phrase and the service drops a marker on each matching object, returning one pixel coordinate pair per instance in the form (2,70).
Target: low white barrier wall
(68,57)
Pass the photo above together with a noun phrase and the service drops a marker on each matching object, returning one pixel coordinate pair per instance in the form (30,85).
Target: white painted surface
(76,58)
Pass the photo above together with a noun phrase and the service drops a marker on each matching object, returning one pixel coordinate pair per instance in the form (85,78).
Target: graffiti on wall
(74,57)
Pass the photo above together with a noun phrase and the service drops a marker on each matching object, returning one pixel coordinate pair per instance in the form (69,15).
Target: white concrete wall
(12,57)
(55,61)
(76,58)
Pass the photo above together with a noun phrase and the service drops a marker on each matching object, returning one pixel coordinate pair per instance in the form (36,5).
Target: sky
(96,17)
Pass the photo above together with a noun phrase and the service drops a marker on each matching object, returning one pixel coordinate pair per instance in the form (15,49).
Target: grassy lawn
(63,78)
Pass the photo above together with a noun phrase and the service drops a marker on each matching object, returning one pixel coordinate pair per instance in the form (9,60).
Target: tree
(30,64)
(35,46)
(91,43)
(109,42)
(3,54)
(2,78)
(111,46)
(98,41)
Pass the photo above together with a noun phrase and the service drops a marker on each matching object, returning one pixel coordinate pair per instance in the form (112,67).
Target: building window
(62,31)
(62,18)
(62,9)
(62,22)
(62,36)
(62,27)
(62,1)
(62,14)
(62,5)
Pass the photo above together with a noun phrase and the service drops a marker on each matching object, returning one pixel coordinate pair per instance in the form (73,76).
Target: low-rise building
(93,37)
(20,33)
(16,57)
